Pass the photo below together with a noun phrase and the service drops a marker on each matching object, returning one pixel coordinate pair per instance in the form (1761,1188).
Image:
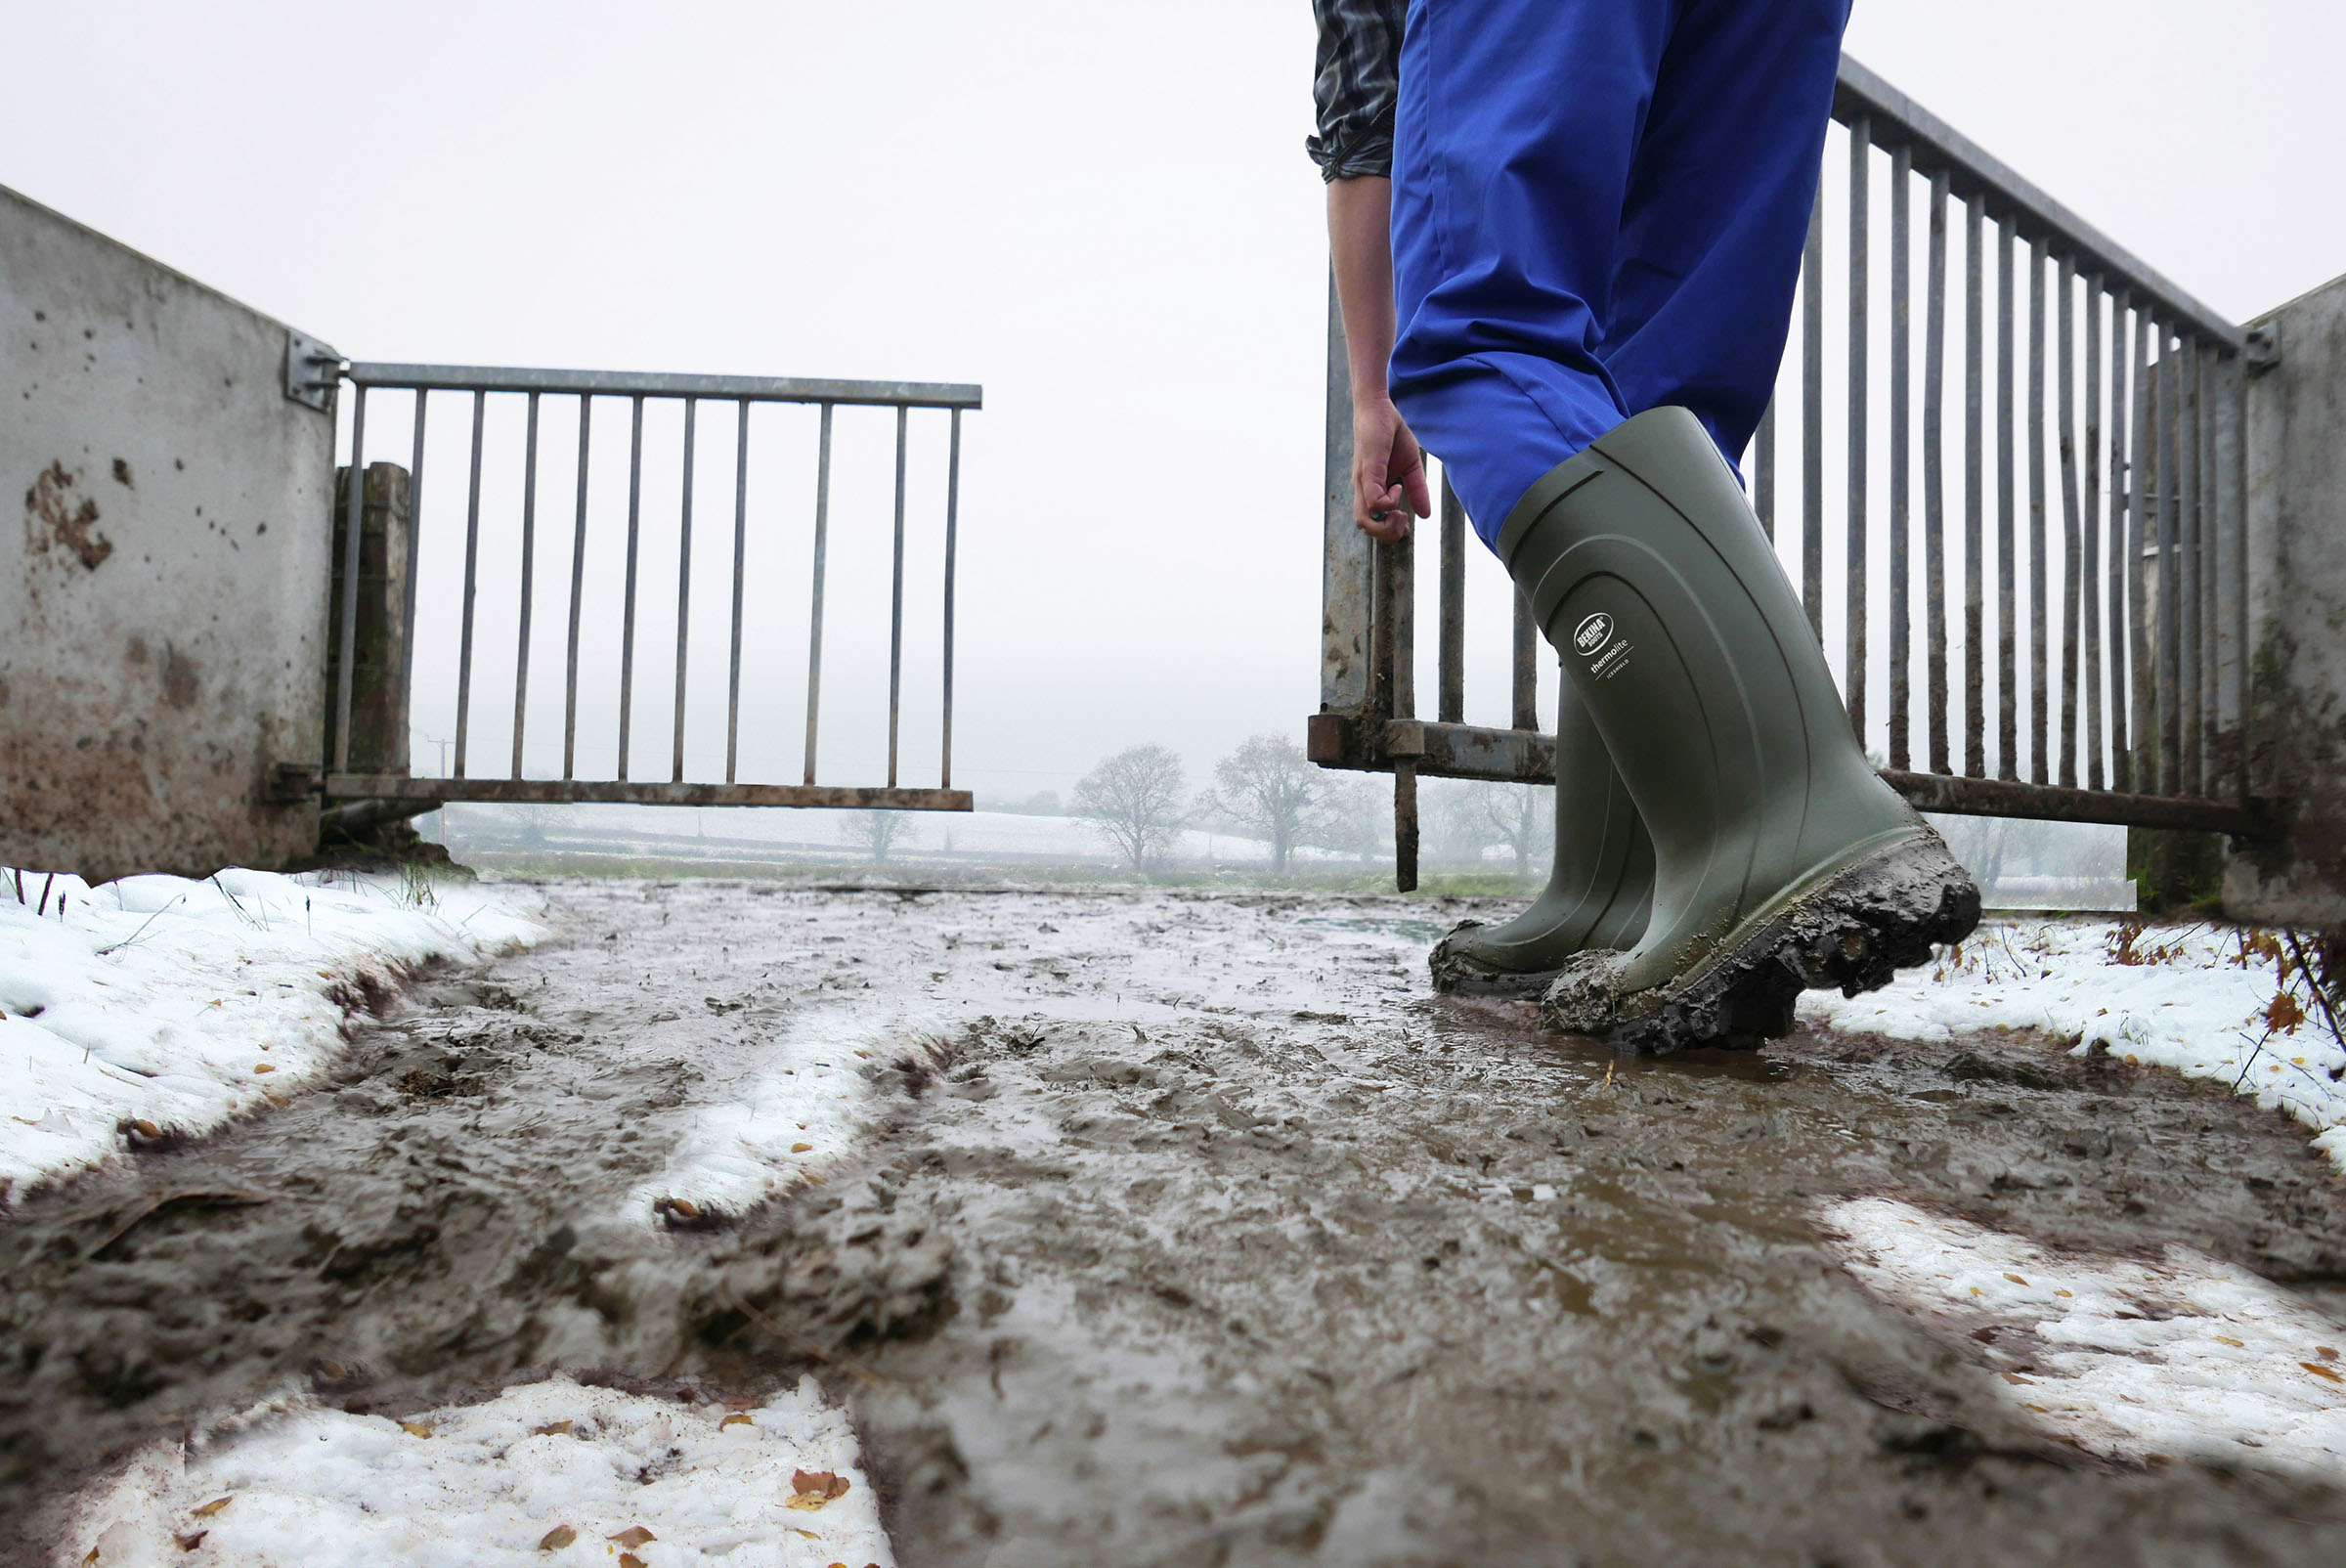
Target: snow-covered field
(2207,1001)
(2180,1358)
(550,1472)
(156,1007)
(1008,837)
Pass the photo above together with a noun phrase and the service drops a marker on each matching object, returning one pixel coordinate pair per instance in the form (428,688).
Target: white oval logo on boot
(1590,635)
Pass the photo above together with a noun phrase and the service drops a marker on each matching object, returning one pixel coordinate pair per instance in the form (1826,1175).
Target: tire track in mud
(1220,1242)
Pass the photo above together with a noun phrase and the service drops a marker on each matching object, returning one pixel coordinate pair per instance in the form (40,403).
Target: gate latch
(311,371)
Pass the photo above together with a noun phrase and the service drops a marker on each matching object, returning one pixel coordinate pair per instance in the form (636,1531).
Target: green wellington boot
(1782,861)
(1599,892)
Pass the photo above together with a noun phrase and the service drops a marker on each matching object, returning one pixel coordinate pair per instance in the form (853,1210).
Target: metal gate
(601,689)
(2115,656)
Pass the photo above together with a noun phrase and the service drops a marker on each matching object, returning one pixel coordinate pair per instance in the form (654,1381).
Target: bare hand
(1388,472)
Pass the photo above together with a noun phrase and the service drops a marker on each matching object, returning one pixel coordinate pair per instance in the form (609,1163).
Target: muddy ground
(1220,1241)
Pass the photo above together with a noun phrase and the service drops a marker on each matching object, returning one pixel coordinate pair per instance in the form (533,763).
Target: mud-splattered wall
(2297,620)
(163,611)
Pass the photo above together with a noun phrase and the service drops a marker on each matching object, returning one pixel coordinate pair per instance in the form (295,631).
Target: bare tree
(878,832)
(1516,817)
(1356,817)
(1270,789)
(1134,799)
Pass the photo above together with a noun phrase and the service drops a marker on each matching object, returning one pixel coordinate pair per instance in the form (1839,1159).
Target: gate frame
(1368,718)
(340,785)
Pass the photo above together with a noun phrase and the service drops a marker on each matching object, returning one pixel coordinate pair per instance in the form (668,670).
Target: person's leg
(1716,209)
(1514,141)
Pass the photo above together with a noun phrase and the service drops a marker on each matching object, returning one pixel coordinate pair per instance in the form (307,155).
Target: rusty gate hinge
(291,783)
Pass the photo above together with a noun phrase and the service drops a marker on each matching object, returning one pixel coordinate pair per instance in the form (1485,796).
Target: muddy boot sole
(1853,929)
(1459,973)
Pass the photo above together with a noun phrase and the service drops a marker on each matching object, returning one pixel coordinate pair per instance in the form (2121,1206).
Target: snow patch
(546,1473)
(743,1137)
(2135,1360)
(2195,999)
(181,1004)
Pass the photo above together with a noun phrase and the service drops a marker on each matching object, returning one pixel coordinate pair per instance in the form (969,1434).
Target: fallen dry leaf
(629,1559)
(215,1506)
(146,1129)
(557,1537)
(266,1066)
(2013,1277)
(2319,1371)
(2222,1339)
(2326,1352)
(2282,1015)
(551,1430)
(812,1489)
(800,1148)
(191,1540)
(416,1429)
(633,1536)
(684,1208)
(737,1419)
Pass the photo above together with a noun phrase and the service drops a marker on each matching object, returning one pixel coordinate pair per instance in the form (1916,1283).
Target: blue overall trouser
(1598,209)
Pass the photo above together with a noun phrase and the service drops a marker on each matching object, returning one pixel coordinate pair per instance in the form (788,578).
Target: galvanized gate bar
(472,561)
(627,623)
(814,615)
(1450,659)
(2008,622)
(2121,381)
(529,571)
(2141,530)
(2170,575)
(1526,666)
(684,590)
(1520,756)
(2040,582)
(2089,572)
(1855,580)
(944,770)
(532,790)
(896,612)
(1901,431)
(741,541)
(642,384)
(578,589)
(2072,540)
(1934,490)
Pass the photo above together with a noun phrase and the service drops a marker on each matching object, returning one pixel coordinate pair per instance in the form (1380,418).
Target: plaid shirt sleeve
(1357,77)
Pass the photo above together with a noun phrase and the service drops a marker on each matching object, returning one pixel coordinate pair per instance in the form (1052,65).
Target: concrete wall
(2297,620)
(165,614)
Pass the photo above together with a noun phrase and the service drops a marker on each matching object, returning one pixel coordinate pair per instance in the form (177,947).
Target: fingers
(1377,509)
(1422,499)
